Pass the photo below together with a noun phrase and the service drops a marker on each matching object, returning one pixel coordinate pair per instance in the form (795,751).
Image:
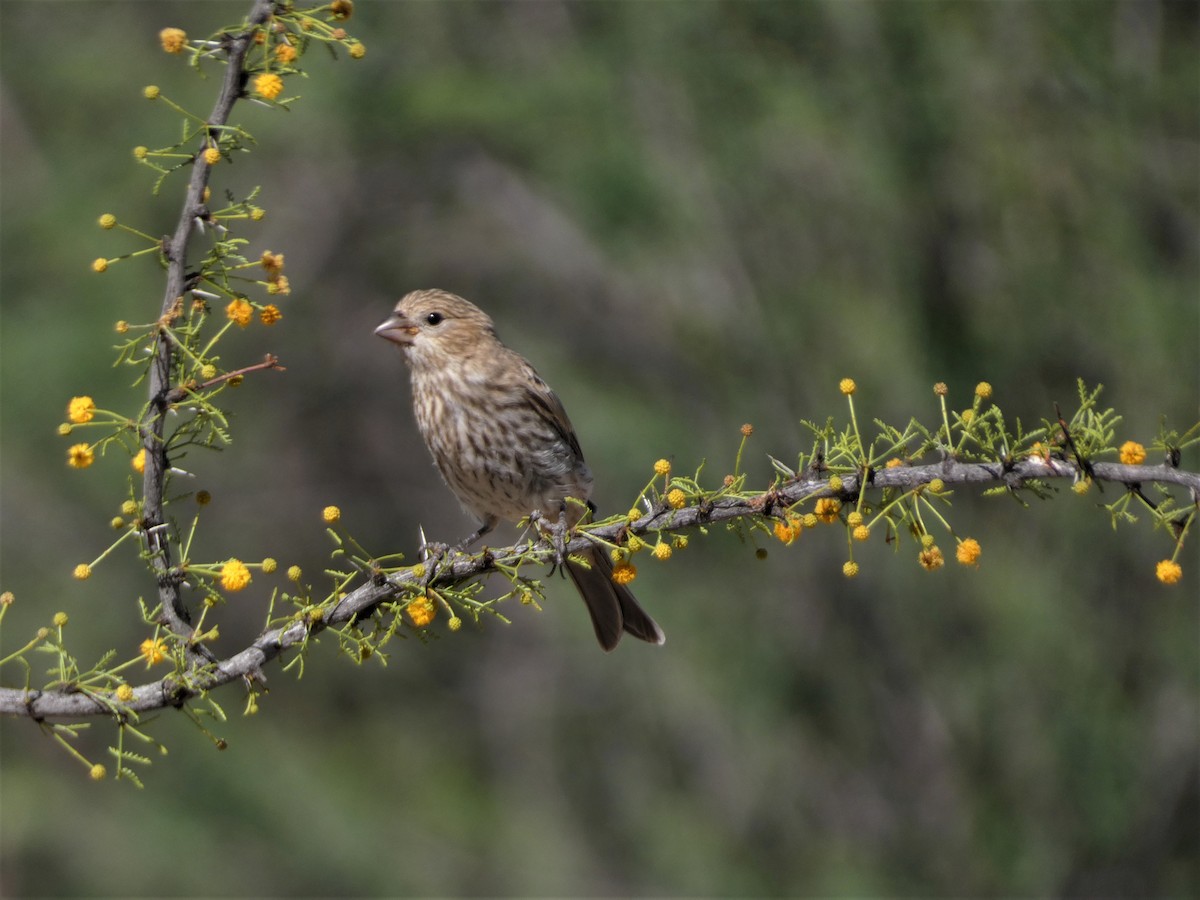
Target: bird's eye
(434,318)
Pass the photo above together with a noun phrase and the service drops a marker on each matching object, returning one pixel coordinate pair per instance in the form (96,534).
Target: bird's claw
(555,534)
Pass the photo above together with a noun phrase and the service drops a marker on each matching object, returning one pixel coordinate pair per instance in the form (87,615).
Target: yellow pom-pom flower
(787,532)
(139,461)
(80,456)
(1133,453)
(151,92)
(81,410)
(662,551)
(174,40)
(850,569)
(268,85)
(968,552)
(107,221)
(331,514)
(100,265)
(421,610)
(153,650)
(847,386)
(211,155)
(269,565)
(662,467)
(983,390)
(82,572)
(861,533)
(826,509)
(59,620)
(676,499)
(124,693)
(357,50)
(270,314)
(98,772)
(624,572)
(931,559)
(272,263)
(1168,571)
(234,575)
(294,573)
(285,53)
(240,311)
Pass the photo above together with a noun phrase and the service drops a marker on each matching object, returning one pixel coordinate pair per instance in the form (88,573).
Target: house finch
(502,440)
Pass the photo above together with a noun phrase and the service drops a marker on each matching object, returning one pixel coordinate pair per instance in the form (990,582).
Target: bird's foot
(555,534)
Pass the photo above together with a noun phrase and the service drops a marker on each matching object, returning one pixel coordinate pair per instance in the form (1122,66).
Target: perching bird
(502,440)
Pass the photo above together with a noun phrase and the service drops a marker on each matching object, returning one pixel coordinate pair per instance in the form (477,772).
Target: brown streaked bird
(502,440)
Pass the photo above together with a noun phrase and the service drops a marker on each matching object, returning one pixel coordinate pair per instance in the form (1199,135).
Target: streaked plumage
(502,440)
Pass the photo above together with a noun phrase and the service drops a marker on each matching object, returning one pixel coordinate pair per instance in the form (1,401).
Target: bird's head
(433,324)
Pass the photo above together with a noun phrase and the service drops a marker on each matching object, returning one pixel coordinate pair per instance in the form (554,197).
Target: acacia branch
(152,426)
(202,676)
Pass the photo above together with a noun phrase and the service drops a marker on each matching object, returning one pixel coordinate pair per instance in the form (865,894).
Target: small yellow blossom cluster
(1168,571)
(858,529)
(174,40)
(81,410)
(277,282)
(80,456)
(153,650)
(268,85)
(826,509)
(240,311)
(234,575)
(1132,453)
(931,558)
(968,552)
(421,610)
(787,532)
(624,572)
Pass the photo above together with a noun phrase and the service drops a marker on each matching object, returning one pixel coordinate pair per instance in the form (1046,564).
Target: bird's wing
(550,408)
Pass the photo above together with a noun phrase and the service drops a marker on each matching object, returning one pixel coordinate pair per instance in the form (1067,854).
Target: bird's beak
(398,329)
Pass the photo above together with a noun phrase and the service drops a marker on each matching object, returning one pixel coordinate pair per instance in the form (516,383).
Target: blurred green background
(689,215)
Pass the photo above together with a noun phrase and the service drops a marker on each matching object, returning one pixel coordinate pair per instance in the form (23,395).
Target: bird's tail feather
(613,608)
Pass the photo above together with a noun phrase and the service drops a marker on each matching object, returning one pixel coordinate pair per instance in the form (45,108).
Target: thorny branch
(152,426)
(203,676)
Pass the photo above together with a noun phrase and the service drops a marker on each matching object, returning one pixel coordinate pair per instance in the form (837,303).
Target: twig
(458,568)
(151,429)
